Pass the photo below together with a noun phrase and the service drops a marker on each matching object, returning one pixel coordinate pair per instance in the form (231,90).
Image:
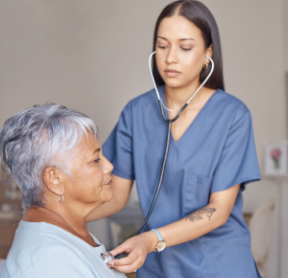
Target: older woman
(56,159)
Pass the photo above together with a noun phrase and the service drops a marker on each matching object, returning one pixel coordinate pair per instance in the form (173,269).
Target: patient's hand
(138,247)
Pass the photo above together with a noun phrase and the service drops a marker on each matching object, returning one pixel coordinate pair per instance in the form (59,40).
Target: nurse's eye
(186,48)
(97,160)
(162,46)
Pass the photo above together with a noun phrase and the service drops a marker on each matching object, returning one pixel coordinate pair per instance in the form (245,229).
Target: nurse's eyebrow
(184,39)
(162,38)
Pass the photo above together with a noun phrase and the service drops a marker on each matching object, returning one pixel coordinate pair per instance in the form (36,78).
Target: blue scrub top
(216,152)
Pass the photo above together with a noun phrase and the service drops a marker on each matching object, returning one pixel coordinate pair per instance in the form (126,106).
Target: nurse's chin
(173,81)
(174,84)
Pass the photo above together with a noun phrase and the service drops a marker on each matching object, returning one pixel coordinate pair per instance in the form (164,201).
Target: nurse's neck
(176,96)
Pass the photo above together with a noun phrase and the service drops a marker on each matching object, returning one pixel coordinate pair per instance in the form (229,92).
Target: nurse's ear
(209,53)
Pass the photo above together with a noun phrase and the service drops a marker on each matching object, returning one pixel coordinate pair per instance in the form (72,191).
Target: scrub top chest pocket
(195,193)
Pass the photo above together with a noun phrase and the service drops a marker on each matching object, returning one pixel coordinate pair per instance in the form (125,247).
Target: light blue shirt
(47,251)
(216,152)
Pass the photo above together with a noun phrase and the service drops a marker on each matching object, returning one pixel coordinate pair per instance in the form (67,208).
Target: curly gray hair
(39,137)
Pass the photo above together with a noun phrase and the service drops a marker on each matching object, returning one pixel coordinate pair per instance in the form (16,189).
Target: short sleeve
(118,148)
(238,163)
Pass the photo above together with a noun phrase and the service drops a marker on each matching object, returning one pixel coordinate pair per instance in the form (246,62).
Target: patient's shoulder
(32,239)
(46,261)
(40,250)
(45,250)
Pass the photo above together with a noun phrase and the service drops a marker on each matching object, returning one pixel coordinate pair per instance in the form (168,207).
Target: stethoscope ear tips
(210,60)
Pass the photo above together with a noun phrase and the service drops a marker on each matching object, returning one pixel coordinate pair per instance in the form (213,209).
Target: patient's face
(91,180)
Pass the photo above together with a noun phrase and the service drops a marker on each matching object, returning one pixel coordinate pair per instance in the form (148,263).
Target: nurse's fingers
(129,268)
(136,253)
(124,247)
(147,241)
(138,247)
(136,258)
(130,263)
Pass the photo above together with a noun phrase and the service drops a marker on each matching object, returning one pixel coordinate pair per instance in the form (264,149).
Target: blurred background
(93,56)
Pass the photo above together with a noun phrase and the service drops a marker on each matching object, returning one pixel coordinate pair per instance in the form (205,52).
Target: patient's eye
(97,160)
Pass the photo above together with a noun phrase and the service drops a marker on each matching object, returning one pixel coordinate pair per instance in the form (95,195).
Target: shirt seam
(240,180)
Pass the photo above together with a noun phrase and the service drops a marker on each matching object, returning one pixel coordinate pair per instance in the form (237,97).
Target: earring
(62,198)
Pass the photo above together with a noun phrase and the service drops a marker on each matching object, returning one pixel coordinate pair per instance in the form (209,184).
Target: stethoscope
(108,256)
(169,121)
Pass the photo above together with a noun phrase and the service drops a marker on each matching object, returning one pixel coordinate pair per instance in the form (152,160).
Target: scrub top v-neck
(216,152)
(167,116)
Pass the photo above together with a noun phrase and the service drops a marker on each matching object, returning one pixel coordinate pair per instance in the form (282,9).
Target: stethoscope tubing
(163,163)
(170,121)
(160,180)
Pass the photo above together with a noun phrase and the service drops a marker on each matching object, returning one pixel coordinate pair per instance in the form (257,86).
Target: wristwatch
(161,244)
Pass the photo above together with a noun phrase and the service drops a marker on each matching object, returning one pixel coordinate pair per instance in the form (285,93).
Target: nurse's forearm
(193,226)
(202,221)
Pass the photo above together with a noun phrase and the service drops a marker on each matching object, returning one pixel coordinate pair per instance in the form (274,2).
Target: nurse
(212,157)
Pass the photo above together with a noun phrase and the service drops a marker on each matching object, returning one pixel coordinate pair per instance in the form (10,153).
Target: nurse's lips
(109,183)
(171,72)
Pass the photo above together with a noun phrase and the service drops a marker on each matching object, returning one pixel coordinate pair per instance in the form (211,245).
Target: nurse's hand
(138,247)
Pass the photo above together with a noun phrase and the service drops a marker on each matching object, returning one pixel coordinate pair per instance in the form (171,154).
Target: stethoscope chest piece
(107,258)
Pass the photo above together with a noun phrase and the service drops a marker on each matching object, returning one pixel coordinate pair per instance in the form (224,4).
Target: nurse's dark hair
(198,14)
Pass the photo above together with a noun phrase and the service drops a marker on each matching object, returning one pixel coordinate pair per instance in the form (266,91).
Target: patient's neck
(60,214)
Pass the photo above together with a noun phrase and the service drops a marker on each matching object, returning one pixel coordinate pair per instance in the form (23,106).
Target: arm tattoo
(197,214)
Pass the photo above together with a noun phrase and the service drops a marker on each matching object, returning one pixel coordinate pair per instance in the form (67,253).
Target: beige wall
(284,14)
(284,219)
(92,56)
(88,55)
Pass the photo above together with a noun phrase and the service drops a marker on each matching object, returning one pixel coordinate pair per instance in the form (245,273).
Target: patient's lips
(109,183)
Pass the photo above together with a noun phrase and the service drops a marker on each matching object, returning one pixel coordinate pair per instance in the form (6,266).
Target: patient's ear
(53,179)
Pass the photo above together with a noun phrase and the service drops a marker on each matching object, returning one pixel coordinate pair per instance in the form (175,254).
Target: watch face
(161,245)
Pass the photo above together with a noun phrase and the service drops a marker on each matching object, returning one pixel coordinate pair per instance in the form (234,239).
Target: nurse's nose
(172,55)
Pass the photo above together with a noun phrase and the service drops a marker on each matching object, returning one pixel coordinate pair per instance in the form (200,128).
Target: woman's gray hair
(39,137)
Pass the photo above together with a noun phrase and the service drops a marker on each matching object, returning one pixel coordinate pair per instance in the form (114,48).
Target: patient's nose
(107,165)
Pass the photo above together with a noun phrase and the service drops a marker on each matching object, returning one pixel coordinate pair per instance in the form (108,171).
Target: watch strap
(160,238)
